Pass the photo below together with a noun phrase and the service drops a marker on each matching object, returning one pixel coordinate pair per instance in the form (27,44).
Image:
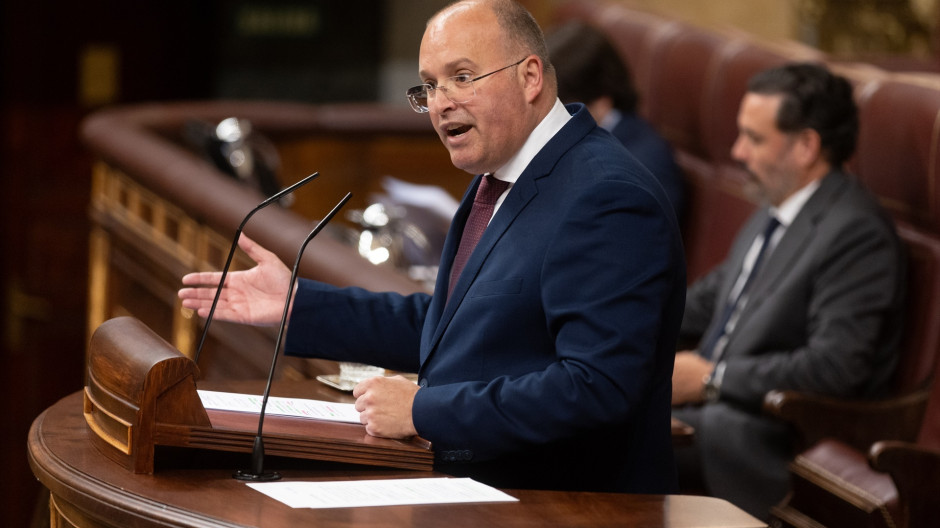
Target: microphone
(257,473)
(231,253)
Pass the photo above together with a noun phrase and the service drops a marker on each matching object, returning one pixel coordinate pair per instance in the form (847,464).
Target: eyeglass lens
(458,89)
(455,89)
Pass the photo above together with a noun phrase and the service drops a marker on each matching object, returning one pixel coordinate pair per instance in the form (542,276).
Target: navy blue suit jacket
(551,365)
(654,152)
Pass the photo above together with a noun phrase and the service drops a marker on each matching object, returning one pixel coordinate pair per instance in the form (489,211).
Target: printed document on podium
(299,407)
(387,492)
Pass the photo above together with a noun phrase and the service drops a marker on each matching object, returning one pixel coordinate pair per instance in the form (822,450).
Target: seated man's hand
(688,377)
(384,406)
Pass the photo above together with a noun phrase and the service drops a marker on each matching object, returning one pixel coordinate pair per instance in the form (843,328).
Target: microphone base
(251,476)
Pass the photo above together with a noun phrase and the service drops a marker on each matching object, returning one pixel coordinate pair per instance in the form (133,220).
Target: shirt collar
(792,206)
(545,131)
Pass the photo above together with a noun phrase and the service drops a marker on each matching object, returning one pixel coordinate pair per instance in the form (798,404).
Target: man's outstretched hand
(255,296)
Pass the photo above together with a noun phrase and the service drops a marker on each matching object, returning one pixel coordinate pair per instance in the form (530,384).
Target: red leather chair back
(921,346)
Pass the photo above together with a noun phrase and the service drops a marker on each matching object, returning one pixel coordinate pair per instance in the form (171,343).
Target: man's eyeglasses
(459,89)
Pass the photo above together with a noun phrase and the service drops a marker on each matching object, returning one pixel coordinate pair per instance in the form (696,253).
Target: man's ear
(534,77)
(808,147)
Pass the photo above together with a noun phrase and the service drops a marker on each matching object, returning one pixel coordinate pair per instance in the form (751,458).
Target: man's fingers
(203,278)
(196,293)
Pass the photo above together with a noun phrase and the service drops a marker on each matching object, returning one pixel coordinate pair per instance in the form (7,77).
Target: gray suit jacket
(823,316)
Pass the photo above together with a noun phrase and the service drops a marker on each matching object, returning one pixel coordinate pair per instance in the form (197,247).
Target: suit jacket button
(423,383)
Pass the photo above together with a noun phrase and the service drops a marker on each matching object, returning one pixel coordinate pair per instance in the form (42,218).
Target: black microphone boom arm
(257,473)
(231,253)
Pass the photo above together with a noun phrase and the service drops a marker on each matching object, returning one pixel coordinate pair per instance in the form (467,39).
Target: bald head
(518,31)
(495,49)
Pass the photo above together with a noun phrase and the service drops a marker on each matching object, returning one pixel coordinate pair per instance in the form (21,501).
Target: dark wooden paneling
(45,177)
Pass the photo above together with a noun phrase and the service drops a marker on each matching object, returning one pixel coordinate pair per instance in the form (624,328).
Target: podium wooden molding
(140,392)
(87,491)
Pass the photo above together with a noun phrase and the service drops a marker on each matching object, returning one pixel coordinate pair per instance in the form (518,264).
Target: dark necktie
(484,203)
(708,345)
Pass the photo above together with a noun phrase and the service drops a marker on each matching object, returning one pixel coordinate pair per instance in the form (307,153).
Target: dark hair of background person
(588,67)
(814,98)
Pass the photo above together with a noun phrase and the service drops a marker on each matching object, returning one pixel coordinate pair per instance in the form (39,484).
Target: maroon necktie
(488,192)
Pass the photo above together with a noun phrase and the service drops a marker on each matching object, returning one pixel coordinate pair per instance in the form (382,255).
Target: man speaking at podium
(545,358)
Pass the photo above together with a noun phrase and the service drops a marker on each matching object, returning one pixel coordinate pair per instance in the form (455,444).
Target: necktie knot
(772,225)
(490,190)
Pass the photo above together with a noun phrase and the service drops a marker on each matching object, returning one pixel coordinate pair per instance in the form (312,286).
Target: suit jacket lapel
(443,307)
(441,310)
(434,317)
(520,194)
(798,235)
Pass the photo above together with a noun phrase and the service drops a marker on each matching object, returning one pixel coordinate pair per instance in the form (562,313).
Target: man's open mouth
(457,131)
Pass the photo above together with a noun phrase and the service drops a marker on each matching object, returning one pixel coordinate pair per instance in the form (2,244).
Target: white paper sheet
(316,409)
(391,492)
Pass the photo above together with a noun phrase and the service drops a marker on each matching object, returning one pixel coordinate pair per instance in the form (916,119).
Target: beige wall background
(770,18)
(774,19)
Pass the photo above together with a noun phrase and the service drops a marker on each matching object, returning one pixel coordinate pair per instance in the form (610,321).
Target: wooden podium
(140,393)
(88,491)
